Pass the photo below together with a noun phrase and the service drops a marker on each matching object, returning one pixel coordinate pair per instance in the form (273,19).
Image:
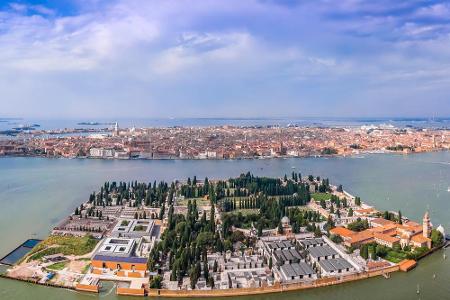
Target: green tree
(336,238)
(364,251)
(280,228)
(210,282)
(206,270)
(317,232)
(260,229)
(373,254)
(381,250)
(156,282)
(436,238)
(323,203)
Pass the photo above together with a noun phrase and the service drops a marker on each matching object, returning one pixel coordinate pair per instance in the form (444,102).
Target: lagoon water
(35,193)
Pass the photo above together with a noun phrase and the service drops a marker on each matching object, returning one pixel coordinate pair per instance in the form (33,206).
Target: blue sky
(230,58)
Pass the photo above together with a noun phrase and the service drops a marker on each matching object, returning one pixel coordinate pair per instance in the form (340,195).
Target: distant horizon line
(375,118)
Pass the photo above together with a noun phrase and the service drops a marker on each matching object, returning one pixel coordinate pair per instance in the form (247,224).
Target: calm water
(6,124)
(35,193)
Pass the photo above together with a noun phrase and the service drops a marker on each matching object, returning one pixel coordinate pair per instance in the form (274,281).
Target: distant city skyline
(115,59)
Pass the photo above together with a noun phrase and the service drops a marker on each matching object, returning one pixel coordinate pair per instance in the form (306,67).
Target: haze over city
(349,58)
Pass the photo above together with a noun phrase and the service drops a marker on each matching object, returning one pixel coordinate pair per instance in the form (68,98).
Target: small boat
(448,190)
(418,289)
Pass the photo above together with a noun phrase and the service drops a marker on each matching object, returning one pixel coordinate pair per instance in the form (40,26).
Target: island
(224,237)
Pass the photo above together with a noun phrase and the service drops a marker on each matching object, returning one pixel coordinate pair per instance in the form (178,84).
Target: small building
(380,222)
(420,241)
(119,263)
(319,253)
(117,247)
(116,256)
(312,242)
(287,256)
(386,240)
(270,246)
(343,232)
(296,272)
(331,267)
(132,228)
(359,238)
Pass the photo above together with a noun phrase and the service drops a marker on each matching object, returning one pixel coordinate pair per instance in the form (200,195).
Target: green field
(67,245)
(320,196)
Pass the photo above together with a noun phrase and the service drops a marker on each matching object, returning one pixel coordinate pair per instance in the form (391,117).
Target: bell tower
(426,225)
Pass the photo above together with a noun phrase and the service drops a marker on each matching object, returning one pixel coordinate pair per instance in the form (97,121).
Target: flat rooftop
(288,255)
(335,264)
(297,269)
(117,247)
(131,260)
(322,251)
(311,242)
(279,245)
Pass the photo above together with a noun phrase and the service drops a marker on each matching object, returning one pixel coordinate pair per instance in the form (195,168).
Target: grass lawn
(245,211)
(200,202)
(395,257)
(67,245)
(58,266)
(321,196)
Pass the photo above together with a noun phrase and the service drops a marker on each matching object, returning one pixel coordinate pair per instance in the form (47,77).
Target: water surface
(35,193)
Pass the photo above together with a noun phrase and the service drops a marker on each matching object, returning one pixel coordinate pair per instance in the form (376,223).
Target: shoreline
(276,288)
(356,155)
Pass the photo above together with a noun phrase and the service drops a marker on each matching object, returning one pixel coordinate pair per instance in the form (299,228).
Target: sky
(224,58)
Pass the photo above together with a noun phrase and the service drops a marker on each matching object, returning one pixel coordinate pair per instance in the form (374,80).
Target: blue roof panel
(132,259)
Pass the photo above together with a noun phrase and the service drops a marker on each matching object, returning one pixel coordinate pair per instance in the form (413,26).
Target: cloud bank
(186,58)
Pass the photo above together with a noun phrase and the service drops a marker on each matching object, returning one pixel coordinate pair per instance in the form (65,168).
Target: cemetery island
(239,236)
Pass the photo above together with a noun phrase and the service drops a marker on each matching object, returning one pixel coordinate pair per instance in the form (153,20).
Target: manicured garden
(320,196)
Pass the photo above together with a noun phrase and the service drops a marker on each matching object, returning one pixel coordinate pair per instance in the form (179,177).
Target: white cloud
(161,55)
(18,7)
(439,10)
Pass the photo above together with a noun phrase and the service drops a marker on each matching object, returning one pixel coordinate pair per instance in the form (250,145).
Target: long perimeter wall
(270,289)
